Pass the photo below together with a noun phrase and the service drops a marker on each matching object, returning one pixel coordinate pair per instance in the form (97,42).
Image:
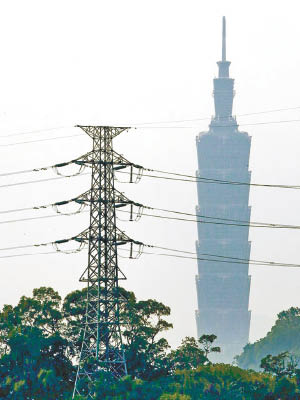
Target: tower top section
(223,91)
(224,64)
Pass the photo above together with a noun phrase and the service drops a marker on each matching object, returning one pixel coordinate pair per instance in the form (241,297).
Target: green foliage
(281,365)
(206,342)
(188,355)
(286,388)
(40,340)
(142,323)
(174,396)
(40,343)
(283,337)
(219,382)
(34,360)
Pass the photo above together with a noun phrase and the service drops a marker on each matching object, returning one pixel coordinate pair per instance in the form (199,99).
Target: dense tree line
(40,344)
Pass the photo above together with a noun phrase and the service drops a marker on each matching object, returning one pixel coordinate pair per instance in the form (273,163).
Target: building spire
(224,40)
(224,64)
(223,85)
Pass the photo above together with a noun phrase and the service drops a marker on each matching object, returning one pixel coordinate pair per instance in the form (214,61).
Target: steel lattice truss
(102,342)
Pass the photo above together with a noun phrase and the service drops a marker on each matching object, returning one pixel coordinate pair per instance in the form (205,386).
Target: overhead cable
(37,254)
(40,180)
(199,179)
(140,126)
(39,169)
(152,122)
(40,140)
(228,259)
(209,118)
(212,257)
(35,131)
(272,264)
(236,125)
(211,220)
(231,222)
(183,178)
(166,255)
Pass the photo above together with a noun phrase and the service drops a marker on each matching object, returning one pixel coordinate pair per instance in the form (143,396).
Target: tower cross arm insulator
(118,159)
(84,159)
(122,237)
(121,199)
(81,237)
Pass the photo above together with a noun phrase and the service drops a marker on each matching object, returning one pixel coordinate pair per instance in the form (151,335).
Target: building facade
(223,282)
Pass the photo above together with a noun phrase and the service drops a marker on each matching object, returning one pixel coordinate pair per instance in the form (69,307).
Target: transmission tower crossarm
(92,130)
(119,199)
(117,160)
(123,238)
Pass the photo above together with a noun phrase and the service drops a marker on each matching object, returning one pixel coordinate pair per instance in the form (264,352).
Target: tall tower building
(222,287)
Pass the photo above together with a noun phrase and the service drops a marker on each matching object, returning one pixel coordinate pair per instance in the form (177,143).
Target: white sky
(124,62)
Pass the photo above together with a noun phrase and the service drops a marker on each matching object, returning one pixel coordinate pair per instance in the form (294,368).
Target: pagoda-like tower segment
(223,287)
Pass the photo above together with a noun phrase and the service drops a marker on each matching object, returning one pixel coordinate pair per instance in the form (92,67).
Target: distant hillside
(284,336)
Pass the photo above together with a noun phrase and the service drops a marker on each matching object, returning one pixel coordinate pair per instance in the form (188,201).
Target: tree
(206,342)
(142,323)
(283,337)
(40,341)
(34,348)
(284,364)
(188,355)
(40,345)
(73,309)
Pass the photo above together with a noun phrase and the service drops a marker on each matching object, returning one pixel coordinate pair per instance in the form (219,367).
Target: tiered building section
(222,287)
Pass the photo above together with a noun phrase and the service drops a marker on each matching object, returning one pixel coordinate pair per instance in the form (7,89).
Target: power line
(152,122)
(35,131)
(232,223)
(219,125)
(216,220)
(190,178)
(209,118)
(195,179)
(37,253)
(217,258)
(59,203)
(41,180)
(164,255)
(223,181)
(26,171)
(224,261)
(167,255)
(221,258)
(39,140)
(54,166)
(139,126)
(35,218)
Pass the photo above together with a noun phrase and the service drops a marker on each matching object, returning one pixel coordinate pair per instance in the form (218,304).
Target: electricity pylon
(102,342)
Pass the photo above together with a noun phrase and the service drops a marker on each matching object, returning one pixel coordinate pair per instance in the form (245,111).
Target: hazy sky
(124,62)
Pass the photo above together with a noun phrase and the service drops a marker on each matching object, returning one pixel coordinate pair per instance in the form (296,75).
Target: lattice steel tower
(102,341)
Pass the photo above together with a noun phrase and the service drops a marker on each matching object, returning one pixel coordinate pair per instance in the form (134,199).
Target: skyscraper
(222,286)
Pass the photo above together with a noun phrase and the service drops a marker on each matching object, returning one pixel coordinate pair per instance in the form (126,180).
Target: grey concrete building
(223,287)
